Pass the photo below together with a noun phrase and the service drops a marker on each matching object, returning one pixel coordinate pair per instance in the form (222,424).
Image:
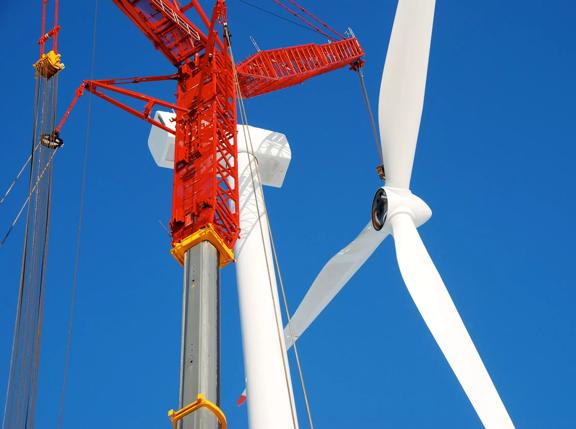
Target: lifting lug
(381,172)
(357,65)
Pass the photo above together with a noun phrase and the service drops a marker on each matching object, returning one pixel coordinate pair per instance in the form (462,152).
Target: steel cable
(15,180)
(20,403)
(375,133)
(269,12)
(27,200)
(79,226)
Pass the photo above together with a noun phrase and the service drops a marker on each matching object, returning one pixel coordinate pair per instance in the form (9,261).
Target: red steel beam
(108,84)
(275,69)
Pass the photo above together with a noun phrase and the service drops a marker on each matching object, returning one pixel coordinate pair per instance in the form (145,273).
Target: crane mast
(205,203)
(205,195)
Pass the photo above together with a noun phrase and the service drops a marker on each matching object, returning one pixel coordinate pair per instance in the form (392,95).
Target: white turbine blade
(403,86)
(332,279)
(434,303)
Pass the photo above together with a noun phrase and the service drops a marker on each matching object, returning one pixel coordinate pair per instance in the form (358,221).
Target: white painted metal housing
(263,158)
(271,148)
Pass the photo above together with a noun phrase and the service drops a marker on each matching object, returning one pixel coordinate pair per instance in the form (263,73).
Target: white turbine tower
(263,159)
(398,212)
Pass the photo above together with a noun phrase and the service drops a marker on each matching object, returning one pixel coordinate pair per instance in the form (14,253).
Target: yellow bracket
(49,64)
(200,402)
(208,233)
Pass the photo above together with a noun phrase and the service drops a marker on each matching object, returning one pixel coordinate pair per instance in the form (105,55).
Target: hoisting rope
(373,126)
(27,200)
(20,402)
(19,306)
(18,176)
(253,174)
(79,226)
(30,158)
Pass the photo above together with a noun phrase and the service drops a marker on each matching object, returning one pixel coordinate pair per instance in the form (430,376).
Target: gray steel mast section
(200,355)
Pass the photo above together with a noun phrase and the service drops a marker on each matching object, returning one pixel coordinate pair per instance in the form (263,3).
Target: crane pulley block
(49,64)
(52,140)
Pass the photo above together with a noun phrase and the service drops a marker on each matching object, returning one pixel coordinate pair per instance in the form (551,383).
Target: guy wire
(79,226)
(17,323)
(269,12)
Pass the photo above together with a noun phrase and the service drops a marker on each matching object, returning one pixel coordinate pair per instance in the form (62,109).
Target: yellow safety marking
(49,64)
(200,402)
(208,233)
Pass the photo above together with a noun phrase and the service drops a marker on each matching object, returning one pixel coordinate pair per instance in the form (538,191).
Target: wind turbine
(398,212)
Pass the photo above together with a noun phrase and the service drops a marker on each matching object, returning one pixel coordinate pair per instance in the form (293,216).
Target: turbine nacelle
(389,202)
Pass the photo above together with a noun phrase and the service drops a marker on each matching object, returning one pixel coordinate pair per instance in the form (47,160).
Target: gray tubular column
(200,368)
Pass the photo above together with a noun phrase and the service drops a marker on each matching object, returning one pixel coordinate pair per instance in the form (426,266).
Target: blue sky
(494,161)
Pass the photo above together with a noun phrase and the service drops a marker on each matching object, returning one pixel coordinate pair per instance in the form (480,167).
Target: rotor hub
(379,209)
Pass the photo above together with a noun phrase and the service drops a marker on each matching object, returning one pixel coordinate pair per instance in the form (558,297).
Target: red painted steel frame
(53,33)
(276,69)
(205,188)
(205,167)
(94,87)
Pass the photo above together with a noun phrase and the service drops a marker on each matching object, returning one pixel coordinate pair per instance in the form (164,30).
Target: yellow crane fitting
(49,64)
(200,402)
(226,255)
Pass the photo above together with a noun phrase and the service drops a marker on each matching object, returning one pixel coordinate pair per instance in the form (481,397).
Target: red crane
(205,192)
